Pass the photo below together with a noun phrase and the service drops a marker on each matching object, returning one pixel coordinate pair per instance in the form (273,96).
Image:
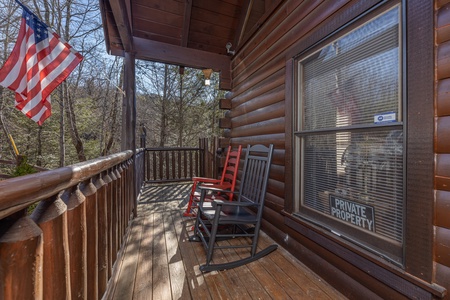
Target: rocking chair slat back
(244,215)
(226,181)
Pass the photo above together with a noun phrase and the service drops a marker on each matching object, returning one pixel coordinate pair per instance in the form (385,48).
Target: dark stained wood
(45,184)
(443,166)
(173,164)
(442,24)
(420,158)
(290,116)
(167,263)
(443,60)
(394,284)
(60,259)
(441,252)
(271,111)
(443,98)
(264,127)
(51,217)
(102,223)
(442,209)
(440,3)
(21,279)
(259,100)
(224,123)
(276,139)
(89,191)
(109,212)
(128,135)
(442,275)
(76,219)
(442,144)
(177,55)
(442,156)
(250,81)
(225,103)
(123,24)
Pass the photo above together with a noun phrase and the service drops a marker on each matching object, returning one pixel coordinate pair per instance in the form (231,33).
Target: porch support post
(128,140)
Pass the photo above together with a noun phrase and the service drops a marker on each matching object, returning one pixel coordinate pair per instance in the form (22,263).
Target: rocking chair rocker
(226,182)
(241,218)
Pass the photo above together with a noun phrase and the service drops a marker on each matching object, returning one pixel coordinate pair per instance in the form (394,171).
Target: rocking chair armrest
(205,179)
(205,188)
(215,189)
(216,202)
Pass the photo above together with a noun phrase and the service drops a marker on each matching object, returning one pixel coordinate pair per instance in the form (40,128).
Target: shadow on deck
(159,262)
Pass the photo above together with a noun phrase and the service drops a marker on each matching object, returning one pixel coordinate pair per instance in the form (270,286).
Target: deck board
(159,262)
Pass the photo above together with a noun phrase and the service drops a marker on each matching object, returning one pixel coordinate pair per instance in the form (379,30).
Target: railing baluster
(120,204)
(109,212)
(76,222)
(51,217)
(114,217)
(190,165)
(90,192)
(22,276)
(161,161)
(174,176)
(154,166)
(179,164)
(185,164)
(102,236)
(172,164)
(56,252)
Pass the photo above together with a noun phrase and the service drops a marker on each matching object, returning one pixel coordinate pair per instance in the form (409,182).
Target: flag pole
(24,7)
(9,137)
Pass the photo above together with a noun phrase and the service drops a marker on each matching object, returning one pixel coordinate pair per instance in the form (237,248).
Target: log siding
(442,146)
(261,112)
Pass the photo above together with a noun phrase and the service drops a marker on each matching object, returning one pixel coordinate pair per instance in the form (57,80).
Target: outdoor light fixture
(229,51)
(207,73)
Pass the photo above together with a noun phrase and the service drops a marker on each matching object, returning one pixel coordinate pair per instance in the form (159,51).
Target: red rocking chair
(226,182)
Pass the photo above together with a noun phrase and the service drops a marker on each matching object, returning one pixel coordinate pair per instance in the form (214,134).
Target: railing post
(100,185)
(76,222)
(114,219)
(51,216)
(108,186)
(55,253)
(21,276)
(90,192)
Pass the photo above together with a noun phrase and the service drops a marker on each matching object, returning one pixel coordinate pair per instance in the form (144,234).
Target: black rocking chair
(242,218)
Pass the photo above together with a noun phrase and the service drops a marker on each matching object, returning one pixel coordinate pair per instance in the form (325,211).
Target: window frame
(373,242)
(418,91)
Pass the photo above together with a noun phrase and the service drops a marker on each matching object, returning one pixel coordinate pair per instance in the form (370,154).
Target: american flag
(39,62)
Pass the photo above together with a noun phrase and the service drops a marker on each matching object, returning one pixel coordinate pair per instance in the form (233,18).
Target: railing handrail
(20,192)
(173,149)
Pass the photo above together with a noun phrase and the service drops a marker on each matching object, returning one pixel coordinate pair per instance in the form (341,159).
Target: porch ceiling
(190,33)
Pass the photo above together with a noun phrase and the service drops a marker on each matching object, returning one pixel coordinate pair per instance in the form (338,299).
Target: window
(349,136)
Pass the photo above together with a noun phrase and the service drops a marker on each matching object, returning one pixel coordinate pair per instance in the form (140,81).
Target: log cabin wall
(261,102)
(442,145)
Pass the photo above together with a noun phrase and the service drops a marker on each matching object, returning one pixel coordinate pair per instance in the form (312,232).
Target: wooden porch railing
(68,245)
(173,164)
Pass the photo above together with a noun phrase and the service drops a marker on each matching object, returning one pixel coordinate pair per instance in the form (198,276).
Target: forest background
(173,105)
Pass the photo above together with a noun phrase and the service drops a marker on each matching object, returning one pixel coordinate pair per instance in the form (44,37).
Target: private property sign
(352,212)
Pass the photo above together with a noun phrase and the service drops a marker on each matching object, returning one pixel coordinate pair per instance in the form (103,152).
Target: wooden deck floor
(159,262)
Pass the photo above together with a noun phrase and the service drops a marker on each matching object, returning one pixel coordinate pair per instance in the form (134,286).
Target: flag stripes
(39,62)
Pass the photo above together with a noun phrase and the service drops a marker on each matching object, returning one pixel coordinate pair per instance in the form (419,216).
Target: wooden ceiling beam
(121,13)
(243,19)
(186,22)
(182,56)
